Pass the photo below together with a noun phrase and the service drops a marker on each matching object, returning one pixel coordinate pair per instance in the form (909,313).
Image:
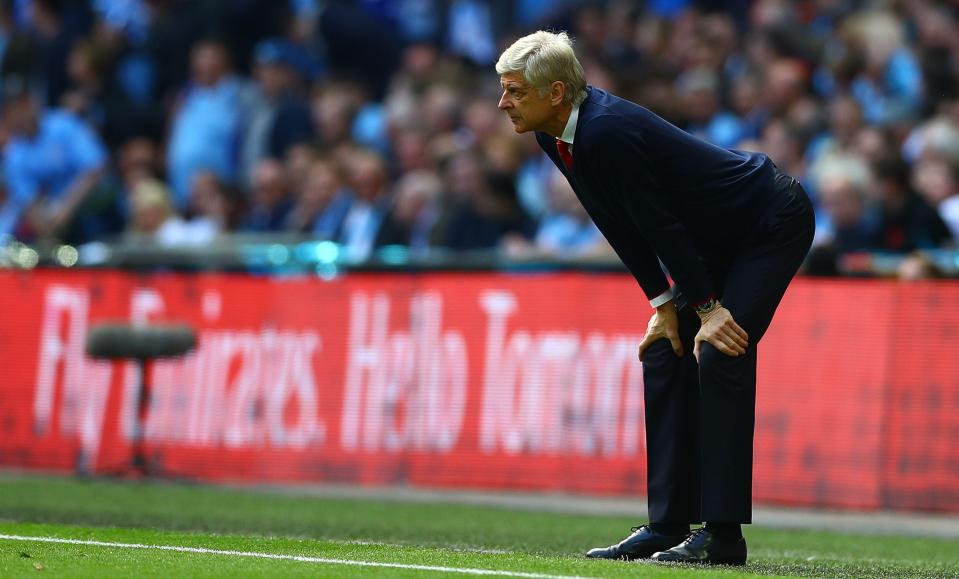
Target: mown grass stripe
(299,558)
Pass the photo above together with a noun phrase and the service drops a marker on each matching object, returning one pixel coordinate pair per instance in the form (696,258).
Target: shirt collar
(570,129)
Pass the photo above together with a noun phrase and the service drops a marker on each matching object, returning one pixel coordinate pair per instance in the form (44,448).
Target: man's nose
(503,103)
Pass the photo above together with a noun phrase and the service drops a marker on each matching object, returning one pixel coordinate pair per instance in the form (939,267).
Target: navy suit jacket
(658,193)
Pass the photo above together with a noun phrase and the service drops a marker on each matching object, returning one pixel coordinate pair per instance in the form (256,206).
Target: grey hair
(543,58)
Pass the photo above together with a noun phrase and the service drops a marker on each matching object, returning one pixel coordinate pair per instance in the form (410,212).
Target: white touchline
(299,558)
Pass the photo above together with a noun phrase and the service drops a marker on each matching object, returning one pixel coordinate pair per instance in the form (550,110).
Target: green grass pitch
(214,532)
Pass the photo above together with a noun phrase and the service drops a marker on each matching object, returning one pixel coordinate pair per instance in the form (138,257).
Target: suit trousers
(700,416)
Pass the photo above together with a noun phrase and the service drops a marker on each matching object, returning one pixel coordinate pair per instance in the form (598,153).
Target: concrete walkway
(884,523)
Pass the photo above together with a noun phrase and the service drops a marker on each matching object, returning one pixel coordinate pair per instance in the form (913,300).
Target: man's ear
(557,92)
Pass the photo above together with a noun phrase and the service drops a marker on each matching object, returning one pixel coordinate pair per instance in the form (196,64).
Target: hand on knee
(721,331)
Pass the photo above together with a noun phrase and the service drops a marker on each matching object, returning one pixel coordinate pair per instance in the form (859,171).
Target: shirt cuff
(662,298)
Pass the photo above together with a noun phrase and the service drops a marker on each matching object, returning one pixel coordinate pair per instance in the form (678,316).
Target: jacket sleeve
(619,168)
(635,252)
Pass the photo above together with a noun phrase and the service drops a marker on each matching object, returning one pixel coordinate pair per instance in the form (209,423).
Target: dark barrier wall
(488,380)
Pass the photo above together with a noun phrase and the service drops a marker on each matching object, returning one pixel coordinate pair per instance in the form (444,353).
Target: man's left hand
(721,330)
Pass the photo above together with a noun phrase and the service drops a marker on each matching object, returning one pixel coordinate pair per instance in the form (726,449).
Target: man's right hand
(663,324)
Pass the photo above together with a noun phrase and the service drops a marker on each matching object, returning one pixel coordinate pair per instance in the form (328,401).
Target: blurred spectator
(480,122)
(441,108)
(785,84)
(745,103)
(369,183)
(889,87)
(484,207)
(51,163)
(471,31)
(849,223)
(907,222)
(872,145)
(414,214)
(334,108)
(270,202)
(107,211)
(844,121)
(423,66)
(322,202)
(174,29)
(532,175)
(41,49)
(359,45)
(783,145)
(139,157)
(939,137)
(411,149)
(565,232)
(278,117)
(699,90)
(504,153)
(937,50)
(130,18)
(296,163)
(96,96)
(937,182)
(207,122)
(207,217)
(151,208)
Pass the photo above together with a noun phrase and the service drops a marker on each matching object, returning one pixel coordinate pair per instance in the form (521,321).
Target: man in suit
(731,231)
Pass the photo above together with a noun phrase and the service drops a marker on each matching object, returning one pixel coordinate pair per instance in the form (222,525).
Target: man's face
(23,115)
(269,187)
(527,110)
(273,78)
(208,64)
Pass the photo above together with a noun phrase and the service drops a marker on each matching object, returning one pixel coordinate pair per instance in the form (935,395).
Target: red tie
(565,154)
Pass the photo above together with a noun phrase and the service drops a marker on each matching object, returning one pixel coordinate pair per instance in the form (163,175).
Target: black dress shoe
(706,547)
(640,545)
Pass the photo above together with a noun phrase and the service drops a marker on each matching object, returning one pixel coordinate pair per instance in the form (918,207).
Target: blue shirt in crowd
(205,136)
(565,235)
(47,163)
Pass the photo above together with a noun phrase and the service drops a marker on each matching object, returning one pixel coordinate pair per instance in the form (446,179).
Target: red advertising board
(485,380)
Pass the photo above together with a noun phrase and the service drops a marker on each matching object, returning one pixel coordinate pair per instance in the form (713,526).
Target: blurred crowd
(373,123)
